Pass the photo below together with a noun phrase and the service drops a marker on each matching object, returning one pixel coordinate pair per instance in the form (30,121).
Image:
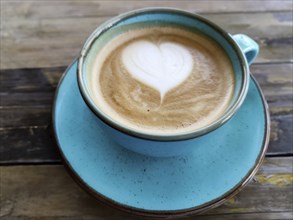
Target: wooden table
(40,38)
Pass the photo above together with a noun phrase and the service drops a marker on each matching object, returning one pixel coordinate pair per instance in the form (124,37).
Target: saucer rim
(162,213)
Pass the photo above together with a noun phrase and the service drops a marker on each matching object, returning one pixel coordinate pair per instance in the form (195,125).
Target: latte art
(162,80)
(161,66)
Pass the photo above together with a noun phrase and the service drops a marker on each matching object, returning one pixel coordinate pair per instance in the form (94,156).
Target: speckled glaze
(217,168)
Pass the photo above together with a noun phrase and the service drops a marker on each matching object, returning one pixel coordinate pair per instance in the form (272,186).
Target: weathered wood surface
(47,191)
(46,34)
(27,96)
(35,145)
(36,87)
(266,216)
(39,9)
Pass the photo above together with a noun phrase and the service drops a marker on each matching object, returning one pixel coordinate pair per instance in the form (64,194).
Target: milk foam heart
(162,66)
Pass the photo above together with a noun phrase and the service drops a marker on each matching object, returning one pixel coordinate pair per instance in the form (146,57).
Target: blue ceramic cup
(240,49)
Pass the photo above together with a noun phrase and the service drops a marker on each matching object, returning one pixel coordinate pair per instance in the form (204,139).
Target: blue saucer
(159,187)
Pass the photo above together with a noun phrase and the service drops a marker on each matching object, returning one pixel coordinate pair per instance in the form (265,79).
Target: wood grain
(277,84)
(36,86)
(48,192)
(27,96)
(247,216)
(27,145)
(47,9)
(43,33)
(29,87)
(34,144)
(242,216)
(40,34)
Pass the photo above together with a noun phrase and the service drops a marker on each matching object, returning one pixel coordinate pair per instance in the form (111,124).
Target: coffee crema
(162,80)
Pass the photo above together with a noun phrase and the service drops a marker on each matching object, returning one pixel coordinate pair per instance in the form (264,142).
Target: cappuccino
(162,79)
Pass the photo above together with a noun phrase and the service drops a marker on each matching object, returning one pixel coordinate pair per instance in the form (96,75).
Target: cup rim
(152,136)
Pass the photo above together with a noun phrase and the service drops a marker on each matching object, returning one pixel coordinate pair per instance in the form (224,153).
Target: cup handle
(248,46)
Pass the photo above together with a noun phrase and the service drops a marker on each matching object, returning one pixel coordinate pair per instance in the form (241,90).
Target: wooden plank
(35,87)
(15,117)
(266,216)
(45,42)
(27,95)
(47,9)
(29,87)
(30,80)
(242,216)
(34,144)
(26,99)
(276,82)
(48,192)
(27,145)
(281,138)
